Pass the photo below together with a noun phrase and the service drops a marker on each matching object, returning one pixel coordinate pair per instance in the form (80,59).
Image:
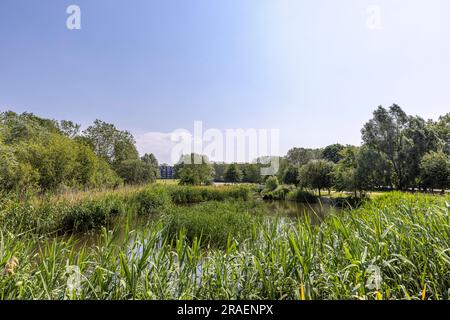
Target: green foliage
(280,193)
(137,171)
(301,156)
(402,140)
(435,170)
(215,223)
(251,173)
(193,169)
(317,174)
(233,173)
(395,247)
(111,144)
(271,183)
(191,194)
(38,155)
(302,196)
(91,210)
(333,152)
(290,175)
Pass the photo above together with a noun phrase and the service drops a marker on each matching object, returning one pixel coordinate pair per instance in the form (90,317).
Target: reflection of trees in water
(315,211)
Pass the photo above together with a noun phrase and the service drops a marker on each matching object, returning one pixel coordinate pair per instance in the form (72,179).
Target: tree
(219,171)
(136,171)
(317,174)
(442,129)
(233,173)
(251,173)
(402,140)
(69,128)
(39,155)
(332,152)
(110,143)
(150,160)
(194,169)
(301,156)
(435,170)
(385,132)
(290,175)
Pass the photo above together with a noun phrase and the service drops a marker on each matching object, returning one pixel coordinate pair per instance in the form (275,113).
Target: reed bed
(394,247)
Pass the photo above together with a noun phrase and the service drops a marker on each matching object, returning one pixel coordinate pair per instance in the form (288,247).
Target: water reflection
(294,210)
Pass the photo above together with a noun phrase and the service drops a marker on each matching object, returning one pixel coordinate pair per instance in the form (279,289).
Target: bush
(302,196)
(271,183)
(279,193)
(193,194)
(150,200)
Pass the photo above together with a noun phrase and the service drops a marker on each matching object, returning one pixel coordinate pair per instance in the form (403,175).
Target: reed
(394,247)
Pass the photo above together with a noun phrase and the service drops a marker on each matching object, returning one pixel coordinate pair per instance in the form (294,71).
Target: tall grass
(395,247)
(85,211)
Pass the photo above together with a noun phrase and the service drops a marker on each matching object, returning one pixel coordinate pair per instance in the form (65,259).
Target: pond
(294,210)
(283,209)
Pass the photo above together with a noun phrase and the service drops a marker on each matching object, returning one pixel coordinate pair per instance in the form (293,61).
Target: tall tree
(301,156)
(233,173)
(435,170)
(385,132)
(332,152)
(110,143)
(290,175)
(194,169)
(317,174)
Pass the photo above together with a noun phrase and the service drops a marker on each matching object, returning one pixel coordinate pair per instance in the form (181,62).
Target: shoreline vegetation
(224,246)
(191,239)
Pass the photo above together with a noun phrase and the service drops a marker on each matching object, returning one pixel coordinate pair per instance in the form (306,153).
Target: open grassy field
(219,243)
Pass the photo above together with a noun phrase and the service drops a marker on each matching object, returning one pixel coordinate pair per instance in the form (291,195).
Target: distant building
(167,172)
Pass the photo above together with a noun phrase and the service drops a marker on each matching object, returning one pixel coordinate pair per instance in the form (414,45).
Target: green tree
(136,171)
(194,169)
(317,174)
(110,143)
(301,156)
(290,175)
(150,160)
(251,173)
(219,171)
(233,173)
(435,170)
(69,128)
(333,152)
(402,140)
(385,132)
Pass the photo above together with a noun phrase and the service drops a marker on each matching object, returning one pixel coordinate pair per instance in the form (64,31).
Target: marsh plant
(393,247)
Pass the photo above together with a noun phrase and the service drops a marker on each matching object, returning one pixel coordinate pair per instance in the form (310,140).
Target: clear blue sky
(313,69)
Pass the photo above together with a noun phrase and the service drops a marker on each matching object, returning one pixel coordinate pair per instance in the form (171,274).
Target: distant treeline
(42,155)
(398,152)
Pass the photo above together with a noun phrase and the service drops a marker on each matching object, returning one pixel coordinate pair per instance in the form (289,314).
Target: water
(295,210)
(283,209)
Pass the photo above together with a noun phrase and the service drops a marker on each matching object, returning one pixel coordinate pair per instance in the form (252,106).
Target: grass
(393,247)
(213,222)
(84,211)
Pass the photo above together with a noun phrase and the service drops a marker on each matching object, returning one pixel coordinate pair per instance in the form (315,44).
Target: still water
(295,210)
(283,209)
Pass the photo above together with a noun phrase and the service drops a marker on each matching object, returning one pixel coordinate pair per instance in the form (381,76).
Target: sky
(315,70)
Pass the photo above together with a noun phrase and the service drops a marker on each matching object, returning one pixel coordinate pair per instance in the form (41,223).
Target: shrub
(271,183)
(303,196)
